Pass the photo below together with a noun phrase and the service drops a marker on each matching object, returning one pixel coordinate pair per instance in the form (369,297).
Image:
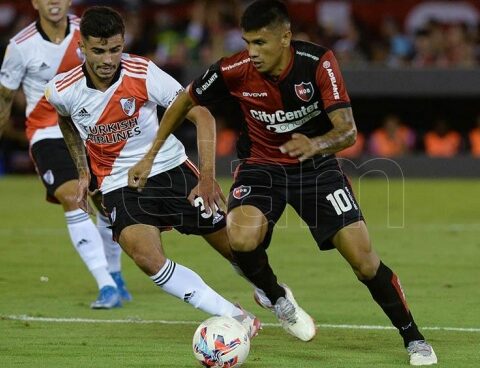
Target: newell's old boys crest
(128,105)
(241,191)
(304,91)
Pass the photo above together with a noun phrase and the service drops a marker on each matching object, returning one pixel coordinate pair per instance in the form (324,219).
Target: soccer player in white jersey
(108,108)
(33,57)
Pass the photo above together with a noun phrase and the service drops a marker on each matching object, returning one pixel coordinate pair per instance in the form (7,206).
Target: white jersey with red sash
(119,125)
(31,60)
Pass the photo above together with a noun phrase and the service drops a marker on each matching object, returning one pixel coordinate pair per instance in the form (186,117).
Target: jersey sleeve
(210,87)
(13,68)
(54,98)
(330,82)
(161,87)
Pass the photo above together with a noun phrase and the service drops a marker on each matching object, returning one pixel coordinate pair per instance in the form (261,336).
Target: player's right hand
(138,174)
(211,193)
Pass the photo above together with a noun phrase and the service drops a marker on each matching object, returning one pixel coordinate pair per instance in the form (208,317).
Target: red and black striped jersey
(296,102)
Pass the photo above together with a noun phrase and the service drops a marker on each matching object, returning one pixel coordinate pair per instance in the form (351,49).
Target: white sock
(113,251)
(185,284)
(88,243)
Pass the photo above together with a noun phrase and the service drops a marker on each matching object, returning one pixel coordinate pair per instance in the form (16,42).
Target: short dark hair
(101,22)
(263,13)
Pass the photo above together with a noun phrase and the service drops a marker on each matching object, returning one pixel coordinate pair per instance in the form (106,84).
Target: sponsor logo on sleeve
(208,83)
(174,97)
(328,67)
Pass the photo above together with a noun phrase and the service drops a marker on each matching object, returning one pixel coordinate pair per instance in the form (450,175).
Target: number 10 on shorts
(341,201)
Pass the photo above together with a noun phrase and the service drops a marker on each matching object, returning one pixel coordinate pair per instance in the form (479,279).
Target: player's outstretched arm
(207,188)
(342,135)
(77,151)
(6,99)
(171,120)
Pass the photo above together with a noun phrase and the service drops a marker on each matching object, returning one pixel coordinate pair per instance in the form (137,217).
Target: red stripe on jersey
(103,156)
(69,77)
(135,65)
(135,71)
(135,61)
(42,116)
(65,85)
(192,167)
(141,59)
(24,32)
(26,37)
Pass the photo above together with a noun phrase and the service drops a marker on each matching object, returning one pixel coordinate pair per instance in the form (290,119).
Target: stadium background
(411,66)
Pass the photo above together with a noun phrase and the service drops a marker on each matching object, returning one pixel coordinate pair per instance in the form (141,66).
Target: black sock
(255,267)
(387,292)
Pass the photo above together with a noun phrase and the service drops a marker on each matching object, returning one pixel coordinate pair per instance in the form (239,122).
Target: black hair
(263,13)
(101,22)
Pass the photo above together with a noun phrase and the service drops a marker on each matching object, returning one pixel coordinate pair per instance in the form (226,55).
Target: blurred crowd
(181,36)
(394,138)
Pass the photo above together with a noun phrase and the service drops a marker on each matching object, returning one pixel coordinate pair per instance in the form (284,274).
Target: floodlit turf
(427,231)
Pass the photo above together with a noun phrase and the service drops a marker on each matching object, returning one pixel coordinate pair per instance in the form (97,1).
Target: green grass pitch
(428,232)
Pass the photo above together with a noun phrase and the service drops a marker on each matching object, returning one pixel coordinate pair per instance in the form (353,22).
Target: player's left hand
(211,193)
(300,146)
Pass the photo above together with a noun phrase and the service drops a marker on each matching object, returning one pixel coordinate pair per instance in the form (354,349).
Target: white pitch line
(379,227)
(165,322)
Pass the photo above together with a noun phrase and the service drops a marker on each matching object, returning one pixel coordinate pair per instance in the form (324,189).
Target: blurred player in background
(108,107)
(34,56)
(297,115)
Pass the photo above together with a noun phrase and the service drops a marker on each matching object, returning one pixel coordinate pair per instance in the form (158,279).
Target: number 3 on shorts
(341,201)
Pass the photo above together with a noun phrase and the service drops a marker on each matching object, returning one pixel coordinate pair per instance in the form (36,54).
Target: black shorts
(318,191)
(162,203)
(54,164)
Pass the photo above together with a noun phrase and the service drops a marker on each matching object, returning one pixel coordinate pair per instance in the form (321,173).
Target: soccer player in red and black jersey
(297,114)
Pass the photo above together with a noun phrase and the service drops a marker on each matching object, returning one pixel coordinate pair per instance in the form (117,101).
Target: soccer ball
(221,342)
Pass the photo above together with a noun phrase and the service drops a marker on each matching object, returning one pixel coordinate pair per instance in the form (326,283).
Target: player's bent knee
(142,245)
(367,268)
(66,194)
(147,264)
(243,240)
